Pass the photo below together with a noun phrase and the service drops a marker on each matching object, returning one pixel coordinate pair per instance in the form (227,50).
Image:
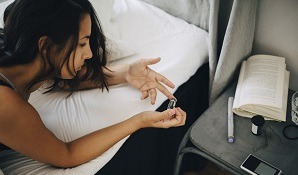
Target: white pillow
(3,6)
(116,47)
(104,10)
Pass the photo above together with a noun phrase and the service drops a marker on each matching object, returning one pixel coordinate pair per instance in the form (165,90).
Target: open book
(262,88)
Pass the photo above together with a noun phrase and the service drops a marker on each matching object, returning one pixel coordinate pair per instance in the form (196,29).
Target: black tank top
(3,83)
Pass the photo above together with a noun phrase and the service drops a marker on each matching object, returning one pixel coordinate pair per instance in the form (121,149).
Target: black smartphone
(255,166)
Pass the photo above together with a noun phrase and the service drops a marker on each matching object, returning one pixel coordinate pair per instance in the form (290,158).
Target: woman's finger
(164,80)
(153,94)
(144,95)
(156,77)
(151,61)
(159,86)
(178,118)
(164,90)
(183,116)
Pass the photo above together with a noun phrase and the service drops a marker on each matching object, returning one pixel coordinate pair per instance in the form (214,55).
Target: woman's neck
(20,76)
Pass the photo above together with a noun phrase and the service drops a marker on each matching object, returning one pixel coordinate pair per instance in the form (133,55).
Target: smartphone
(255,166)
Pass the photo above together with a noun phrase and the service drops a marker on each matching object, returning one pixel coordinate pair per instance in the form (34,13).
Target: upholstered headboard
(194,12)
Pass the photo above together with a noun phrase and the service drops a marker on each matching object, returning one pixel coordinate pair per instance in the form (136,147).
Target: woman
(59,42)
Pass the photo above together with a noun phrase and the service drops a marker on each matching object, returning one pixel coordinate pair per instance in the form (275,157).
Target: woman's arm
(140,76)
(22,129)
(115,75)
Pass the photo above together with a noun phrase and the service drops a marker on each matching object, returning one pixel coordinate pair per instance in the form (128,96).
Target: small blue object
(230,139)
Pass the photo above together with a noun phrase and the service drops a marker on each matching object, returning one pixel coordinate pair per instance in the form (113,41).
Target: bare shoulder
(12,104)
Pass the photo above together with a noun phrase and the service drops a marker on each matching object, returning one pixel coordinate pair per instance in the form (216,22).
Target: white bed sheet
(149,32)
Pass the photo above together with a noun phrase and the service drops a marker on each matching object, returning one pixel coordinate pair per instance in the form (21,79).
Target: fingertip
(172,97)
(143,97)
(171,85)
(155,60)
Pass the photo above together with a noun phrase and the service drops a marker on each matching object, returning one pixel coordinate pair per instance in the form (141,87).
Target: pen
(230,121)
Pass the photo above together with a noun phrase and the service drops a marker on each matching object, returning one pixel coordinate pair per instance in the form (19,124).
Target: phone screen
(257,166)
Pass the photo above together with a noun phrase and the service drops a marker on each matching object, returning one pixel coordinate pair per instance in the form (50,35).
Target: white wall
(277,33)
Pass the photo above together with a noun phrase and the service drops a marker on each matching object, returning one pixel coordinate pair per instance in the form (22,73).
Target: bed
(134,29)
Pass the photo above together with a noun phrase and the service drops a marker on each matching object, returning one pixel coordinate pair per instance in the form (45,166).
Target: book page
(236,103)
(283,116)
(268,112)
(263,81)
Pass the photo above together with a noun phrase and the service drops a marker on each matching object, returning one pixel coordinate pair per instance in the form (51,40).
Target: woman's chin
(68,76)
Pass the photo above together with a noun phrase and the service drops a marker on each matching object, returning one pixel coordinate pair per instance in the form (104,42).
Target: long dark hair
(26,21)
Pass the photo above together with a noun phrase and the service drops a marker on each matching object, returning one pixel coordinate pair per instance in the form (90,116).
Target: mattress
(134,30)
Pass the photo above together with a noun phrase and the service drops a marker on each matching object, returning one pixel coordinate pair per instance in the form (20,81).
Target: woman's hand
(147,80)
(166,119)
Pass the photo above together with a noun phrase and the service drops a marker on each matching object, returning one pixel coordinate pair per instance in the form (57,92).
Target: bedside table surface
(209,134)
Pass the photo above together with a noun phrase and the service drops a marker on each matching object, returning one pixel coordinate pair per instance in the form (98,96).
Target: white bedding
(147,32)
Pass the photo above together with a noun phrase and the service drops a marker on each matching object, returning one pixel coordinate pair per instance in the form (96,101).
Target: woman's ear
(42,43)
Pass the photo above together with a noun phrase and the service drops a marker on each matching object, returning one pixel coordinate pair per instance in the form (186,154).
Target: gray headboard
(193,11)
